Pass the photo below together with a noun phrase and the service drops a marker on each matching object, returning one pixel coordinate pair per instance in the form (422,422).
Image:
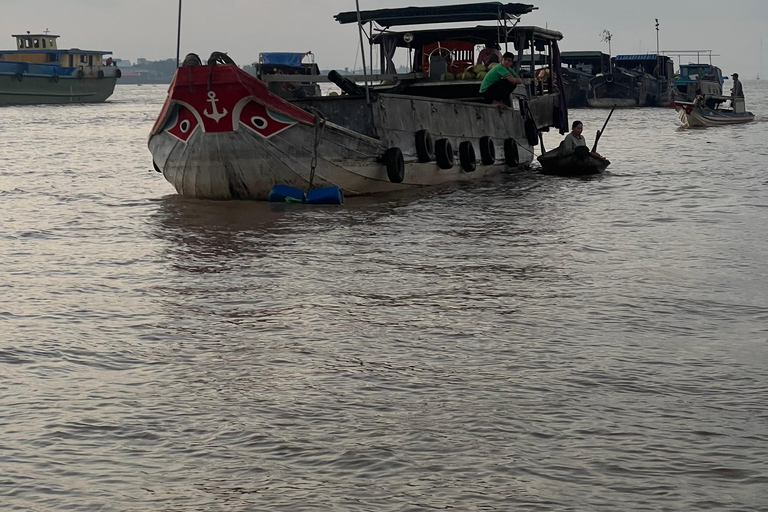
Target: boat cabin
(658,66)
(696,72)
(273,67)
(590,63)
(443,62)
(44,49)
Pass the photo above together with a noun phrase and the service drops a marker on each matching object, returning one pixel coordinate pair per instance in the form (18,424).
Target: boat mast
(362,50)
(178,38)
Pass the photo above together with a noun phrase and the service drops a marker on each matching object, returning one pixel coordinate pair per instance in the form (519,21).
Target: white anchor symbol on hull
(216,115)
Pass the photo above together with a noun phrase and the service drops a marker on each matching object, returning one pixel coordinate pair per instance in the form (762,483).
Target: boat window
(28,43)
(50,43)
(43,43)
(21,43)
(37,43)
(83,59)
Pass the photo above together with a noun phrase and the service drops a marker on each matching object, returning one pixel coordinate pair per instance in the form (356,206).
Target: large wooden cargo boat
(38,72)
(634,81)
(224,134)
(579,68)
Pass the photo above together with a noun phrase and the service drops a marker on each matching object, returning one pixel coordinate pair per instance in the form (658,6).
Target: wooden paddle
(600,133)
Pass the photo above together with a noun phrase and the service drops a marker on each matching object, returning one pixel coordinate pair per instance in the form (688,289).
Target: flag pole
(178,38)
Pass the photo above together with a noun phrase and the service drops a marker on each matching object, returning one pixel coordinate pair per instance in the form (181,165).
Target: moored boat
(223,134)
(578,69)
(38,72)
(701,116)
(634,81)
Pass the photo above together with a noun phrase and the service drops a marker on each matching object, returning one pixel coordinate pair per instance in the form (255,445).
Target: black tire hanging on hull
(511,153)
(444,153)
(467,156)
(393,159)
(531,132)
(425,146)
(487,151)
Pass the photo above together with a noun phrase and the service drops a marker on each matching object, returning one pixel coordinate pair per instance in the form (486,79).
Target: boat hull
(572,164)
(233,158)
(614,103)
(696,117)
(49,90)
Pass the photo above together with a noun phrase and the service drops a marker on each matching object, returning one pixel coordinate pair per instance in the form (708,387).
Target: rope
(319,127)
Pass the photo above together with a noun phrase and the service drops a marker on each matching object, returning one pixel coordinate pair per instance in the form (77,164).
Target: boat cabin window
(36,43)
(83,59)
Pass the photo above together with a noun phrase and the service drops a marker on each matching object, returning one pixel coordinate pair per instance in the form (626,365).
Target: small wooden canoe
(577,163)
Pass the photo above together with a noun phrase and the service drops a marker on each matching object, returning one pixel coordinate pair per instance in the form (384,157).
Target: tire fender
(467,156)
(487,151)
(511,153)
(444,153)
(425,146)
(393,159)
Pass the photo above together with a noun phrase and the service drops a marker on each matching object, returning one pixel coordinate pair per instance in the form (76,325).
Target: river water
(532,343)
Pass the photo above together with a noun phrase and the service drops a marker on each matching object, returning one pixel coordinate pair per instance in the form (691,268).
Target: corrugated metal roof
(647,56)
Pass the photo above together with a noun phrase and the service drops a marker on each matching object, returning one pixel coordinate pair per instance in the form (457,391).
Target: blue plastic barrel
(280,193)
(326,195)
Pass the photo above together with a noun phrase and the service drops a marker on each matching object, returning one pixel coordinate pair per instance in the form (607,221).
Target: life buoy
(511,153)
(425,146)
(80,74)
(393,159)
(56,78)
(467,156)
(444,153)
(487,151)
(609,79)
(531,132)
(118,73)
(101,74)
(20,76)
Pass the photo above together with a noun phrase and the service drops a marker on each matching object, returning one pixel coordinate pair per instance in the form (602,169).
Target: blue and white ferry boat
(38,72)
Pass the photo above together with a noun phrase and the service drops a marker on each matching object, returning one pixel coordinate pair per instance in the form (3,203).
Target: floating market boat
(692,115)
(579,68)
(634,81)
(224,134)
(38,72)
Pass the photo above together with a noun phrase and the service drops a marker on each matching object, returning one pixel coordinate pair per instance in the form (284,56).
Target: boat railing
(355,78)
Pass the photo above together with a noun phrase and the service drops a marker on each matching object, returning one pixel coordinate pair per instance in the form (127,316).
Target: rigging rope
(319,127)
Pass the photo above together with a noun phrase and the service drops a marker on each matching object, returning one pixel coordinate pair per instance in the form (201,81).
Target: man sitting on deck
(500,82)
(574,140)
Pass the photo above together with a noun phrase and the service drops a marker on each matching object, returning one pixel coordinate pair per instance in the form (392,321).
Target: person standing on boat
(737,96)
(574,140)
(500,82)
(737,91)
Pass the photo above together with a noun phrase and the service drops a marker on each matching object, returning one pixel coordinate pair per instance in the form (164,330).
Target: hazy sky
(243,28)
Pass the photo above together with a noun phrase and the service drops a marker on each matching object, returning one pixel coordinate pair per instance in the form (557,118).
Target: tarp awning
(292,60)
(438,14)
